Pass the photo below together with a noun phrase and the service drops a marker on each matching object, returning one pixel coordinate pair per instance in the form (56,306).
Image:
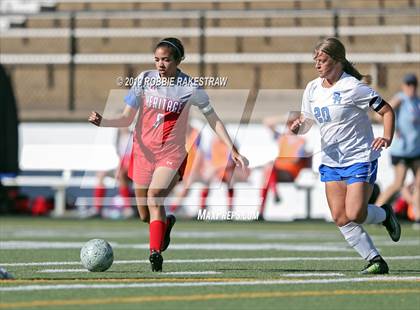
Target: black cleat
(376,266)
(260,217)
(171,219)
(156,261)
(5,275)
(391,223)
(277,198)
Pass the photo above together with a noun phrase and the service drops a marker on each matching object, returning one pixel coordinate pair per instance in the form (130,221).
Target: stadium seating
(120,35)
(225,5)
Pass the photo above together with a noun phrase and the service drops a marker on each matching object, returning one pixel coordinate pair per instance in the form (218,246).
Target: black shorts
(407,161)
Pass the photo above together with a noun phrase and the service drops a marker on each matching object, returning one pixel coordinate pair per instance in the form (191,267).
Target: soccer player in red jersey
(163,98)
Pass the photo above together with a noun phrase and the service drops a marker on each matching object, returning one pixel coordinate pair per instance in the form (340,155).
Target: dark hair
(336,50)
(176,47)
(410,79)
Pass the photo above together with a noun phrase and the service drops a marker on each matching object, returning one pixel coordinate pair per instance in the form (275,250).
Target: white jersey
(341,113)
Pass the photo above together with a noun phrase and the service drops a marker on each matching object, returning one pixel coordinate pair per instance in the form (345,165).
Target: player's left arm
(219,128)
(388,119)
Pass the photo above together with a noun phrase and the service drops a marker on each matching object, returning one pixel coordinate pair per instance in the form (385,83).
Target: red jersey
(163,110)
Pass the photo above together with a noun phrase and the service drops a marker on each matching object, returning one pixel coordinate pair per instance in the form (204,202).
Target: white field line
(312,274)
(262,235)
(148,285)
(192,272)
(62,270)
(384,243)
(167,273)
(32,245)
(214,260)
(64,233)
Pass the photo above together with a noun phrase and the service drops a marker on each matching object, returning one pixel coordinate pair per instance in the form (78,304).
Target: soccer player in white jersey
(338,102)
(163,98)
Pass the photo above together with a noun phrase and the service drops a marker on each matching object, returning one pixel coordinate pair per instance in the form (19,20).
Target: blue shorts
(360,172)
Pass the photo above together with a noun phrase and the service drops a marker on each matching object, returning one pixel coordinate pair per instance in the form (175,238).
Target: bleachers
(74,5)
(234,40)
(264,44)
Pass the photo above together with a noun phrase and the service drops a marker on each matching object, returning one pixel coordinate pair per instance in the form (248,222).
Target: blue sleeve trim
(131,100)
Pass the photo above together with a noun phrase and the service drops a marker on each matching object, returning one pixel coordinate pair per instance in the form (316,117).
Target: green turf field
(209,265)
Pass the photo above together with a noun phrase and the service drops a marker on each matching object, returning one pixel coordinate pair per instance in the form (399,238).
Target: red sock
(272,182)
(124,192)
(230,194)
(157,233)
(263,195)
(271,185)
(400,206)
(204,195)
(98,195)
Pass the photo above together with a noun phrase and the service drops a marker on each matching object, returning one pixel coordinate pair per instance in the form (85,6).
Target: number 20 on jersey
(322,114)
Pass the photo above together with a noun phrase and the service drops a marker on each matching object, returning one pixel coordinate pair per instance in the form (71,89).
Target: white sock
(375,215)
(359,240)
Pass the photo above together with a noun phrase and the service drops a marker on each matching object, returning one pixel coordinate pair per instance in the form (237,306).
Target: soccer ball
(97,255)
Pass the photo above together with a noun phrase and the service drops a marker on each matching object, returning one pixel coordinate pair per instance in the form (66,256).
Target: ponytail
(350,69)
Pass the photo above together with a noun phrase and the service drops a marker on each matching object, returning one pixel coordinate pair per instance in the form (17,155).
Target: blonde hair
(336,50)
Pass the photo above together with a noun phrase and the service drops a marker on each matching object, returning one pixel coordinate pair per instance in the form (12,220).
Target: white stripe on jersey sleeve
(200,99)
(376,103)
(207,109)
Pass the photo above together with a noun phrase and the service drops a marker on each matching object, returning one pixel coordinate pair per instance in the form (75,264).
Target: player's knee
(335,217)
(153,199)
(357,216)
(340,221)
(152,202)
(339,218)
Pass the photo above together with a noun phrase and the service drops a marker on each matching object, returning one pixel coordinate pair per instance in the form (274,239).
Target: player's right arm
(132,100)
(122,120)
(299,123)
